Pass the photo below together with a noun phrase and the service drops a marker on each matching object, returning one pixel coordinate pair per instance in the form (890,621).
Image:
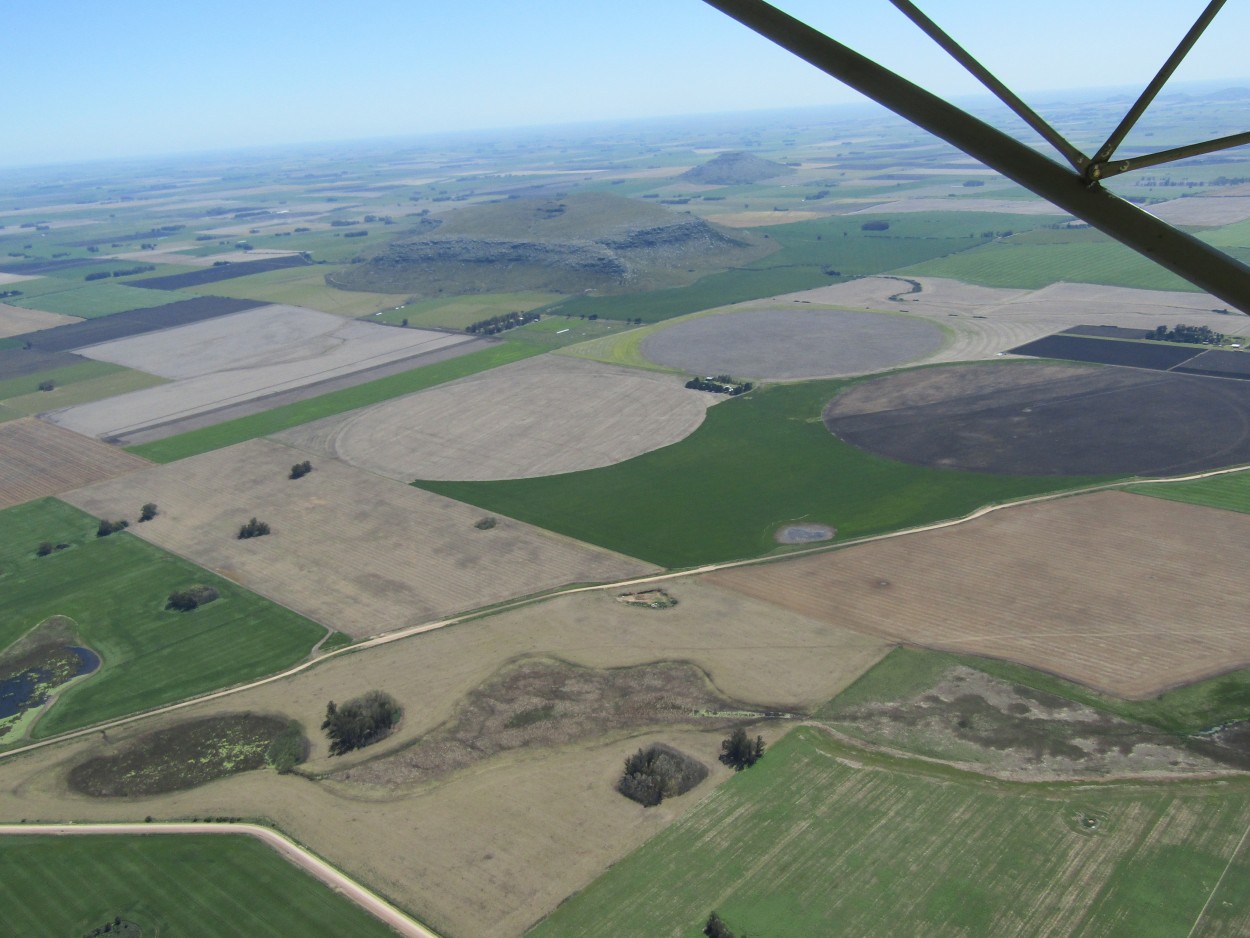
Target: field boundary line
(320,869)
(1219,882)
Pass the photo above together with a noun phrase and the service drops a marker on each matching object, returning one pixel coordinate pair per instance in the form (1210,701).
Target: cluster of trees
(716,928)
(191,597)
(362,233)
(739,751)
(301,469)
(110,527)
(721,384)
(360,721)
(126,272)
(5,294)
(497,324)
(46,385)
(48,547)
(288,749)
(658,772)
(875,226)
(148,512)
(118,925)
(1194,335)
(253,528)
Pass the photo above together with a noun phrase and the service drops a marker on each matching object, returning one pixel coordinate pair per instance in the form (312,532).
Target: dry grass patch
(1103,589)
(1005,206)
(1204,210)
(14,320)
(37,459)
(348,549)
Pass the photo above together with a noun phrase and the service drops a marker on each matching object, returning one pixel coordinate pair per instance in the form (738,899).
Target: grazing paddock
(792,342)
(1020,419)
(227,361)
(821,839)
(37,459)
(14,320)
(358,553)
(1125,594)
(539,417)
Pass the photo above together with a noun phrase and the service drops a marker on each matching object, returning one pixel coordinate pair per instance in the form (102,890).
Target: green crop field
(115,589)
(821,839)
(326,405)
(757,462)
(1230,491)
(70,374)
(79,390)
(457,312)
(810,251)
(306,286)
(100,298)
(186,885)
(1188,709)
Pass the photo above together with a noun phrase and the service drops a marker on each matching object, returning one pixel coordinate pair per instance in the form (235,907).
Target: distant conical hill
(735,169)
(582,241)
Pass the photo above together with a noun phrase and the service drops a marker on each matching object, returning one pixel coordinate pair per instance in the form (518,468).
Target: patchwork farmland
(37,459)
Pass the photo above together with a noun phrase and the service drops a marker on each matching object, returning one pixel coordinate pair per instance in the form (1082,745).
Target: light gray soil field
(232,359)
(14,278)
(538,417)
(14,320)
(789,342)
(1203,210)
(511,837)
(359,553)
(1009,206)
(37,460)
(1103,589)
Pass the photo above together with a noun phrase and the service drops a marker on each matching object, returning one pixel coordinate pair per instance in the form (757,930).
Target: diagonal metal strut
(1184,255)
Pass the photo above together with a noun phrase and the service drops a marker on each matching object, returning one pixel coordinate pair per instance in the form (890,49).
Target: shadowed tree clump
(360,721)
(301,469)
(253,528)
(739,751)
(191,597)
(110,527)
(148,512)
(658,772)
(716,927)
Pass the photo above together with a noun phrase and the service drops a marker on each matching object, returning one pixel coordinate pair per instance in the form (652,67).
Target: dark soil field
(1108,332)
(1218,363)
(1077,348)
(186,755)
(19,362)
(792,343)
(1048,420)
(196,278)
(135,322)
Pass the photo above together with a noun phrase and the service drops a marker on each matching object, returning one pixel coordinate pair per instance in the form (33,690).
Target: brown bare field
(537,417)
(37,459)
(512,836)
(1203,210)
(1102,589)
(237,358)
(359,553)
(14,320)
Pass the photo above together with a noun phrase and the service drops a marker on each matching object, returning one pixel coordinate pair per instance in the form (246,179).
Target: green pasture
(1190,709)
(1230,491)
(335,402)
(821,839)
(457,312)
(810,251)
(85,370)
(306,286)
(98,298)
(115,589)
(205,885)
(758,461)
(117,380)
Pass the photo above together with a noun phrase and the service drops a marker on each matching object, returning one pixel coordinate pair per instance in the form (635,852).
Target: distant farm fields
(174,885)
(817,839)
(114,589)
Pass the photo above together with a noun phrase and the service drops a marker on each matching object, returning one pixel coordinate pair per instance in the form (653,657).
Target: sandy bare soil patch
(14,320)
(1203,210)
(1104,589)
(37,460)
(519,832)
(1006,206)
(792,342)
(538,417)
(15,278)
(232,359)
(361,554)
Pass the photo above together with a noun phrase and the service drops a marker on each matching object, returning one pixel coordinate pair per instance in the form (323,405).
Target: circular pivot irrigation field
(1019,419)
(789,344)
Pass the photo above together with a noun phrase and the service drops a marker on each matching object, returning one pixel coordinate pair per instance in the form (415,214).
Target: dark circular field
(792,343)
(1018,419)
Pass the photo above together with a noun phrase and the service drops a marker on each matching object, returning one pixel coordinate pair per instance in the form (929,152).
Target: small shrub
(485,524)
(288,749)
(191,597)
(253,528)
(301,469)
(46,385)
(111,527)
(148,512)
(738,751)
(716,927)
(875,226)
(44,549)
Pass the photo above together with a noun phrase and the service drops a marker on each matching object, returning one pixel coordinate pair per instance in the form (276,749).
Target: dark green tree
(739,751)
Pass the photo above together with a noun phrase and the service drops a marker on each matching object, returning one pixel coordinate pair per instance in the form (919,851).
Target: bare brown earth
(362,554)
(1127,597)
(538,417)
(14,320)
(496,845)
(37,459)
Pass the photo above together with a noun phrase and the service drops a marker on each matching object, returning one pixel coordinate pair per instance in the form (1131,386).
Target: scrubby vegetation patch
(657,772)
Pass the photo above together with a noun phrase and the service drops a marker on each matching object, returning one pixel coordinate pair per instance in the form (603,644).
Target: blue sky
(86,79)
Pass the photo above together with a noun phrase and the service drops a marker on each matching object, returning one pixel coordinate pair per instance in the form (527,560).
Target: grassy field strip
(300,857)
(1228,489)
(120,381)
(1219,882)
(230,432)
